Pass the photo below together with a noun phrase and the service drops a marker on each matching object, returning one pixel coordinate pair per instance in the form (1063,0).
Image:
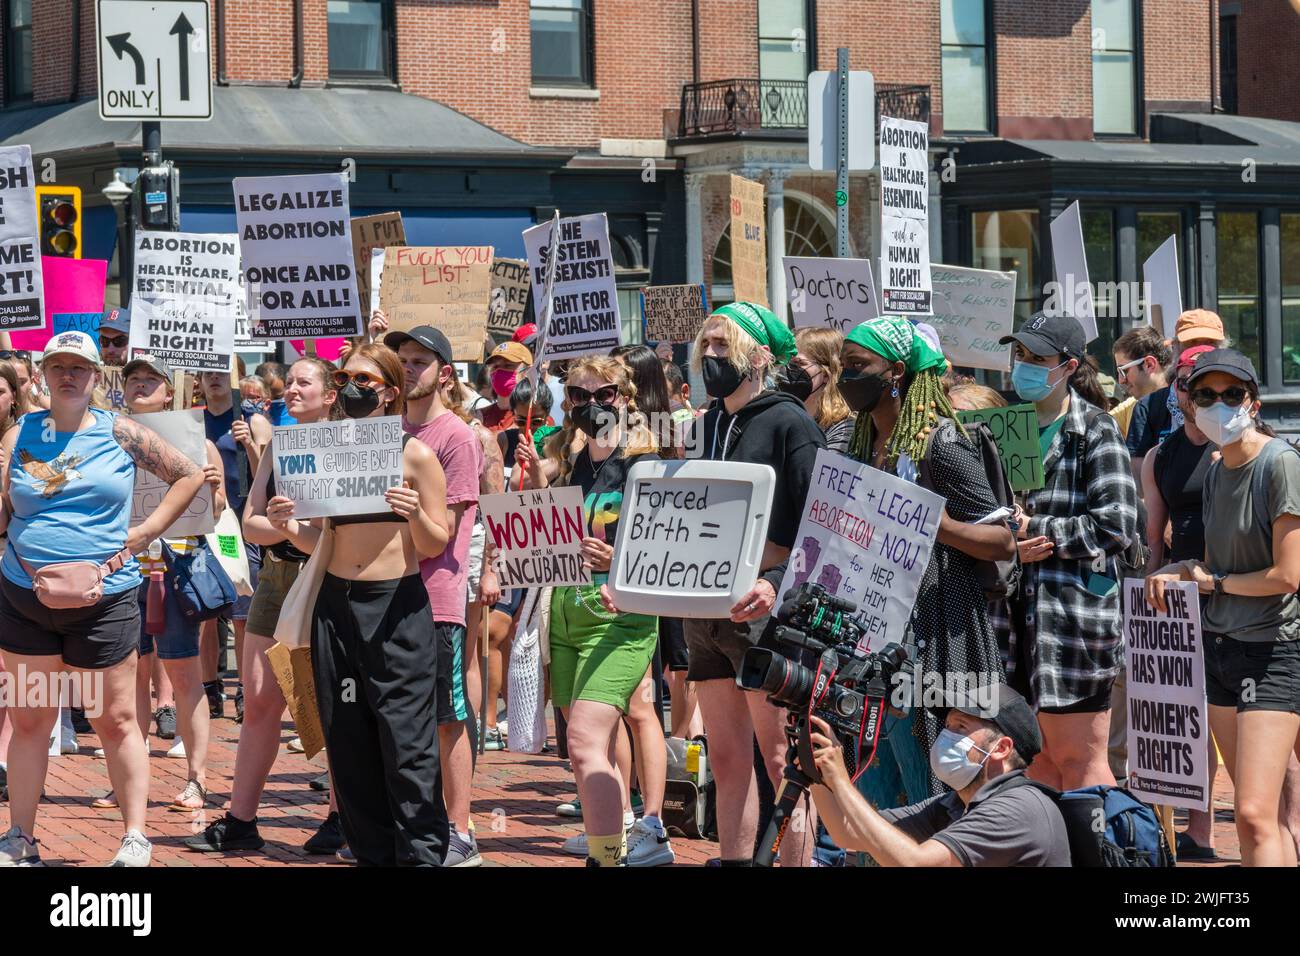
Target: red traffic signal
(59,220)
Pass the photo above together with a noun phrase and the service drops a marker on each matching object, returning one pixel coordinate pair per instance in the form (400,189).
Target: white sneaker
(178,749)
(503,728)
(99,752)
(69,746)
(647,846)
(296,747)
(16,849)
(135,850)
(576,845)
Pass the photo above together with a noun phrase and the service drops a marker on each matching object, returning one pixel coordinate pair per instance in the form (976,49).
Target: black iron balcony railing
(903,102)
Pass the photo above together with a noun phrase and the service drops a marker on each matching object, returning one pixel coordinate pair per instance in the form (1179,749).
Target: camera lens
(782,679)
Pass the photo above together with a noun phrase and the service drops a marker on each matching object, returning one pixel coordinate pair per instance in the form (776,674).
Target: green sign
(229,545)
(1015,429)
(841,197)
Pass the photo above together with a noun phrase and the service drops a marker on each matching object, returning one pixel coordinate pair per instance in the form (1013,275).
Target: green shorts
(596,655)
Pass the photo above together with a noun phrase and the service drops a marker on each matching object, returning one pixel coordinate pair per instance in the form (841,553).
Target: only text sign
(538,536)
(973,308)
(748,241)
(370,233)
(21,288)
(584,307)
(830,293)
(509,298)
(904,217)
(183,430)
(1015,429)
(338,468)
(673,313)
(446,287)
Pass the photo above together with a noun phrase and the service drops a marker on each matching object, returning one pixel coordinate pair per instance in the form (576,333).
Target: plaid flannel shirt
(1088,507)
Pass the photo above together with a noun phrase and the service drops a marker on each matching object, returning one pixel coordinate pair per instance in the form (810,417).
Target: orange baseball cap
(1197,324)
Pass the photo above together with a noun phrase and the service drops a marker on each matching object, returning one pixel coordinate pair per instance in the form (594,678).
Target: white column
(936,210)
(694,228)
(776,240)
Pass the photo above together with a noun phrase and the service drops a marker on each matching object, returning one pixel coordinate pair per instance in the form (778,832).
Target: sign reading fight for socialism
(196,334)
(973,308)
(183,430)
(296,245)
(904,217)
(1168,758)
(21,289)
(830,293)
(584,313)
(538,535)
(1015,429)
(338,468)
(509,298)
(673,313)
(866,537)
(368,234)
(748,241)
(443,286)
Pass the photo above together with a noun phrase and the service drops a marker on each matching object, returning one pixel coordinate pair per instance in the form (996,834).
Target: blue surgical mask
(949,762)
(1030,381)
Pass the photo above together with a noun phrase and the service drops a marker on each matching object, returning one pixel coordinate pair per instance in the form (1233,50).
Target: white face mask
(1224,425)
(948,759)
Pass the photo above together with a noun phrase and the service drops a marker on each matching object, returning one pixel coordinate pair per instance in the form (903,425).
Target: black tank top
(1180,470)
(381,516)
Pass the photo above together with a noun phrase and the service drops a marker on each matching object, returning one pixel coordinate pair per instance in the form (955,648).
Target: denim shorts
(1252,675)
(180,637)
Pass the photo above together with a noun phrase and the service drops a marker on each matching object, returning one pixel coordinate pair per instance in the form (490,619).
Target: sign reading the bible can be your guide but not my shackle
(338,468)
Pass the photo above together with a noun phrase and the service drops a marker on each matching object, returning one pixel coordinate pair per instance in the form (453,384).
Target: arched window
(808,232)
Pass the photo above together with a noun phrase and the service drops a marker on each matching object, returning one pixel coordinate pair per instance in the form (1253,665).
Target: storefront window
(1007,240)
(1110,308)
(1238,263)
(1291,299)
(629,312)
(1153,229)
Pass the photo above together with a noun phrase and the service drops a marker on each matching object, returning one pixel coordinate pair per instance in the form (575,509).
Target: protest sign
(376,275)
(748,242)
(114,388)
(368,234)
(174,269)
(509,298)
(87,322)
(584,306)
(338,468)
(183,430)
(973,308)
(21,286)
(830,293)
(72,286)
(538,536)
(1168,728)
(1165,293)
(292,670)
(904,217)
(1073,293)
(295,245)
(195,334)
(447,287)
(690,536)
(1015,429)
(673,313)
(866,537)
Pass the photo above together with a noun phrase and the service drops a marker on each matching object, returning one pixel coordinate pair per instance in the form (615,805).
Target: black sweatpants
(375,662)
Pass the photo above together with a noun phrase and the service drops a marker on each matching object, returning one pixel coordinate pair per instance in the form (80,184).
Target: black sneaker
(165,717)
(328,838)
(4,785)
(79,722)
(216,699)
(321,783)
(228,833)
(239,703)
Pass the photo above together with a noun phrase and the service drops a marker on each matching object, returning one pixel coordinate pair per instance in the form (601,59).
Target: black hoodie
(772,429)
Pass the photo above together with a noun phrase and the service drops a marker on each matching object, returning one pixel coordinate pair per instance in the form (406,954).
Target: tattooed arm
(156,456)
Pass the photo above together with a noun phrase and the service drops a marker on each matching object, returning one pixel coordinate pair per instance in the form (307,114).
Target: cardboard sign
(538,536)
(904,217)
(509,298)
(292,670)
(338,468)
(295,243)
(1160,273)
(690,536)
(183,431)
(113,388)
(584,306)
(865,536)
(1168,722)
(1015,429)
(1073,295)
(194,334)
(673,313)
(973,308)
(21,287)
(748,242)
(830,293)
(447,287)
(368,234)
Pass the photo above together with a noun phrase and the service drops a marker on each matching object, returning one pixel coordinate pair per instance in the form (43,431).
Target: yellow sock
(607,850)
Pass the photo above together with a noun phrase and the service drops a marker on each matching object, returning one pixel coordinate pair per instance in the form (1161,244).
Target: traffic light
(59,220)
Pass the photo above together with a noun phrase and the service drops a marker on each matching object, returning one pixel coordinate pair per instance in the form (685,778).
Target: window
(782,40)
(964,47)
(631,318)
(1007,240)
(1114,67)
(1108,303)
(1153,229)
(1290,298)
(561,32)
(1237,242)
(18,50)
(360,38)
(808,232)
(1228,63)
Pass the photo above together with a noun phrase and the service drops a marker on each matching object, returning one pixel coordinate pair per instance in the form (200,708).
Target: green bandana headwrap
(897,341)
(763,327)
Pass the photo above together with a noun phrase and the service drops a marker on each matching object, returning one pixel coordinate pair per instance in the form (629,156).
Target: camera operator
(992,817)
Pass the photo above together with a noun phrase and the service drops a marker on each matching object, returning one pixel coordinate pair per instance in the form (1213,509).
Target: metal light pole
(119,194)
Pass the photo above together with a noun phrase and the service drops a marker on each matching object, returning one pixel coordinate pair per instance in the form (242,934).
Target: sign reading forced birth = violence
(538,536)
(338,468)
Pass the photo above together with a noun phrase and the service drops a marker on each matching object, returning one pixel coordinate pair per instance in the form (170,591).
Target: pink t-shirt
(461,455)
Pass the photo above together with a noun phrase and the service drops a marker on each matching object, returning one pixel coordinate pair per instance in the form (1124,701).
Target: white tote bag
(227,542)
(526,695)
(293,629)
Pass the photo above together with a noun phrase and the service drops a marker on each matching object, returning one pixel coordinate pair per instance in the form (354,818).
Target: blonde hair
(823,346)
(972,395)
(637,438)
(741,348)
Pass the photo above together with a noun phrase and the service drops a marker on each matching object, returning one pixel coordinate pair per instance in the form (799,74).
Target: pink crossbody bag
(70,584)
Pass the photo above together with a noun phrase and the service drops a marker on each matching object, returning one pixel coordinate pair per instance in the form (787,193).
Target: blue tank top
(71,499)
(217,428)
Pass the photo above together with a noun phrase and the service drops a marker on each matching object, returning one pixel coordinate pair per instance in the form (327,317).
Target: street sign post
(153,60)
(841,131)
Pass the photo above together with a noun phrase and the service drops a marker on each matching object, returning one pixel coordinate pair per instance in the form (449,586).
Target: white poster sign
(338,468)
(830,293)
(1164,291)
(584,314)
(973,308)
(1073,295)
(192,334)
(22,293)
(183,430)
(538,535)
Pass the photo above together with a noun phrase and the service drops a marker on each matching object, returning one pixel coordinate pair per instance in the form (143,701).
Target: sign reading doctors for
(183,430)
(690,536)
(973,308)
(866,537)
(1168,759)
(295,240)
(22,292)
(338,468)
(904,217)
(538,536)
(584,312)
(830,293)
(153,60)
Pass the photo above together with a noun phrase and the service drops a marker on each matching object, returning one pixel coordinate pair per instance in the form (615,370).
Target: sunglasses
(22,354)
(117,342)
(363,379)
(1180,383)
(1232,396)
(604,395)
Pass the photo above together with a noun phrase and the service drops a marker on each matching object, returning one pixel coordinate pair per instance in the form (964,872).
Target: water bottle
(693,755)
(155,617)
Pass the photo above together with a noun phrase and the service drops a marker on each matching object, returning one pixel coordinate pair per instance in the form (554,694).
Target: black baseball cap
(1224,360)
(152,362)
(425,335)
(116,320)
(1044,334)
(1009,712)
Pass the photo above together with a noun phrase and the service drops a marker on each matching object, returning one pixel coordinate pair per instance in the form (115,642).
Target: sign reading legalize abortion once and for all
(973,308)
(1015,429)
(830,293)
(183,430)
(748,241)
(1168,729)
(446,287)
(673,313)
(866,537)
(584,309)
(509,298)
(538,536)
(368,234)
(338,468)
(21,288)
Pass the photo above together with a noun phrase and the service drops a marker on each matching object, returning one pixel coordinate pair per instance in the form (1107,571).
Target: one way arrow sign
(153,60)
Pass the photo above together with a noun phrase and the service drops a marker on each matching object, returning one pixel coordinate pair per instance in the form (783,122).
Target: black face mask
(594,416)
(720,377)
(358,401)
(797,382)
(860,390)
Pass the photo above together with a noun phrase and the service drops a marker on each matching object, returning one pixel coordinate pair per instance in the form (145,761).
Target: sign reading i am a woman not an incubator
(329,469)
